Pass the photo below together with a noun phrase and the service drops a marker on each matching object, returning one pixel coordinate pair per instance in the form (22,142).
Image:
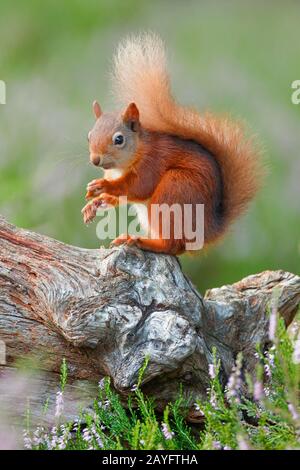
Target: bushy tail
(140,76)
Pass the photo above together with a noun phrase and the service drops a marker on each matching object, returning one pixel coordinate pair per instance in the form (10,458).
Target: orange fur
(180,156)
(140,76)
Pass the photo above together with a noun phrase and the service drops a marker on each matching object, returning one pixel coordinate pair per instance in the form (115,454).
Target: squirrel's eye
(118,139)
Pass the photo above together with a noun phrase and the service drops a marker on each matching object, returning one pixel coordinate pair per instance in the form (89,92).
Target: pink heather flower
(166,431)
(59,404)
(269,365)
(296,353)
(101,384)
(271,357)
(65,436)
(216,445)
(242,443)
(267,391)
(39,437)
(27,440)
(104,405)
(213,399)
(15,386)
(294,412)
(76,424)
(86,435)
(48,442)
(269,360)
(211,371)
(273,320)
(294,330)
(96,436)
(258,391)
(53,443)
(99,441)
(227,448)
(268,371)
(89,435)
(234,384)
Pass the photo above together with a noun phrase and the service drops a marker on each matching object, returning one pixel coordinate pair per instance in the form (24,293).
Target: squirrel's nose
(95,159)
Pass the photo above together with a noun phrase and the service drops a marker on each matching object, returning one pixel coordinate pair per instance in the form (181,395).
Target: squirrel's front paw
(106,200)
(101,202)
(89,212)
(95,188)
(90,209)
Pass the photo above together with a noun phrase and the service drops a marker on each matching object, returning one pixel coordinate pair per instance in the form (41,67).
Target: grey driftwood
(105,310)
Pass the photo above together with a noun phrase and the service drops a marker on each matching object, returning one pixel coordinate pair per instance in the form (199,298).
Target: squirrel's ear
(97,109)
(131,117)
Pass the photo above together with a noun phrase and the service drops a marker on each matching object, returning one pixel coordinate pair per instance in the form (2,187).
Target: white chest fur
(112,174)
(140,208)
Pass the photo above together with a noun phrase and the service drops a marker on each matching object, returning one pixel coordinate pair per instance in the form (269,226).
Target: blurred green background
(235,56)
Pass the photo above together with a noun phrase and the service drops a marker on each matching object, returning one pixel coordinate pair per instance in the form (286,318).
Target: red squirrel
(156,151)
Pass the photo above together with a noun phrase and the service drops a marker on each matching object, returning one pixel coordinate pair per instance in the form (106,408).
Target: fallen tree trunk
(106,310)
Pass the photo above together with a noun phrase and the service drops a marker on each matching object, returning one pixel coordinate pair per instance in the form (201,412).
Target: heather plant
(251,412)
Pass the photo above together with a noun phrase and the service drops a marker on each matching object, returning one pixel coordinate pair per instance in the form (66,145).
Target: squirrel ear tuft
(131,117)
(97,109)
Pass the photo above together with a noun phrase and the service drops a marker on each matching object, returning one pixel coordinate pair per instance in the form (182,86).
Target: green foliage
(257,416)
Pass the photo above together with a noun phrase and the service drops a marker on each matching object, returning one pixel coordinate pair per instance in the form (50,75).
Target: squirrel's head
(114,138)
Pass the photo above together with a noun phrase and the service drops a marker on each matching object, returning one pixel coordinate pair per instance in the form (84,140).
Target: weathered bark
(106,310)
